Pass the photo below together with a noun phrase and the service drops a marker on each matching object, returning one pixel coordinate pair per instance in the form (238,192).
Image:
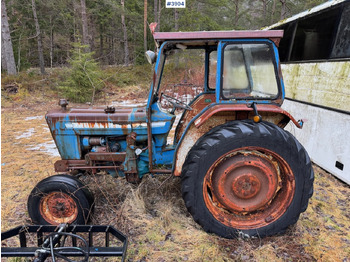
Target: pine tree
(84,76)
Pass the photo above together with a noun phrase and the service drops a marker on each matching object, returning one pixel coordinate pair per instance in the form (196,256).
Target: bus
(315,57)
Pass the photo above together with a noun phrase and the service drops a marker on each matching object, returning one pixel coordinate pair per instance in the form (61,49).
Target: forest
(42,33)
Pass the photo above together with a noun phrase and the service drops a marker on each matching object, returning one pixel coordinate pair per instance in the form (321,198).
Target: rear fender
(219,114)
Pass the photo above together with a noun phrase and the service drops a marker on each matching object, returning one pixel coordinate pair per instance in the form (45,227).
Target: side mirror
(151,57)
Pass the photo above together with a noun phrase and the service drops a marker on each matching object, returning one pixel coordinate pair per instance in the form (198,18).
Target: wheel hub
(253,181)
(248,187)
(58,207)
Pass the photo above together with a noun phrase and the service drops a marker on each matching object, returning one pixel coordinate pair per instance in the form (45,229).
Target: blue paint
(67,142)
(218,71)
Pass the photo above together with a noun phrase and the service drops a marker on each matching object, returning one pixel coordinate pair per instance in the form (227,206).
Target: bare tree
(264,3)
(145,25)
(85,25)
(176,17)
(6,47)
(51,41)
(236,3)
(156,14)
(283,9)
(125,35)
(159,13)
(39,39)
(3,58)
(273,11)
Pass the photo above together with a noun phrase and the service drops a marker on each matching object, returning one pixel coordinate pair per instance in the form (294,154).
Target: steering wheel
(176,103)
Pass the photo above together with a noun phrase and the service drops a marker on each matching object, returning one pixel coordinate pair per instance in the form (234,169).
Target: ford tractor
(213,117)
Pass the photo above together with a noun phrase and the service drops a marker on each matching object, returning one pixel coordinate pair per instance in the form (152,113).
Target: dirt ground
(153,215)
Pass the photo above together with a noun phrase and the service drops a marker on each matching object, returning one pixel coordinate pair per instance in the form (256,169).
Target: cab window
(249,72)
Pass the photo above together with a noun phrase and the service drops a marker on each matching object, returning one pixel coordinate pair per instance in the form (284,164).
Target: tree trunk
(145,25)
(236,12)
(6,47)
(283,9)
(3,58)
(176,16)
(156,14)
(125,36)
(84,25)
(159,12)
(75,23)
(51,42)
(101,43)
(39,40)
(264,3)
(273,11)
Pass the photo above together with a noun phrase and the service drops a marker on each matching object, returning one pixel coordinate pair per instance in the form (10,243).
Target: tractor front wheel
(60,199)
(247,178)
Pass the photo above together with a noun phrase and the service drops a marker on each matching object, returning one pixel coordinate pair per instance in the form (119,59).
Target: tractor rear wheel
(60,199)
(247,178)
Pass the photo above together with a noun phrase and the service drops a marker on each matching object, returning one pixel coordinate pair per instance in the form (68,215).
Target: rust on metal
(218,115)
(108,156)
(97,117)
(239,108)
(248,188)
(66,165)
(95,168)
(58,207)
(274,35)
(197,106)
(69,165)
(193,134)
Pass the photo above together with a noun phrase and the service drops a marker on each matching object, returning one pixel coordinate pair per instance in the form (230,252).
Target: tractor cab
(215,76)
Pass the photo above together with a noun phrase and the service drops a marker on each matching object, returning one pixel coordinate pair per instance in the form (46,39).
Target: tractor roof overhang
(205,37)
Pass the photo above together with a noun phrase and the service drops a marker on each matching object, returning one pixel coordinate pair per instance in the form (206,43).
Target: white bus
(315,56)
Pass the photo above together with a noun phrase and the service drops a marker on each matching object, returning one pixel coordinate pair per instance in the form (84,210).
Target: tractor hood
(69,126)
(90,117)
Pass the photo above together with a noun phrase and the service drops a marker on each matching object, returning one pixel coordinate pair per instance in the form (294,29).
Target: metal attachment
(64,242)
(63,103)
(109,110)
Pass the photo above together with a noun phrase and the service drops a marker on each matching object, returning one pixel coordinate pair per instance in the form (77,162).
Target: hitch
(64,242)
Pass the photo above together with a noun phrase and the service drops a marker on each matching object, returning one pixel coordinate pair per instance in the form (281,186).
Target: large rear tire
(60,199)
(247,178)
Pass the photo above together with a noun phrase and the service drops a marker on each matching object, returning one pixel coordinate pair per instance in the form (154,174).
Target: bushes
(84,77)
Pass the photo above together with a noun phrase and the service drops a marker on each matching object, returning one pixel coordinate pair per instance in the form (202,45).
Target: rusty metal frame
(273,35)
(214,109)
(234,112)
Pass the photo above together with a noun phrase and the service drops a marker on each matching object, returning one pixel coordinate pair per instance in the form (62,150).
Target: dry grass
(153,214)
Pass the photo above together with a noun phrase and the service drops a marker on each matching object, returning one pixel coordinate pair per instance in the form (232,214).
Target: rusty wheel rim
(58,207)
(248,188)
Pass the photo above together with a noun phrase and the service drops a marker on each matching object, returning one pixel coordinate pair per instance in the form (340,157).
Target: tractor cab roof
(210,37)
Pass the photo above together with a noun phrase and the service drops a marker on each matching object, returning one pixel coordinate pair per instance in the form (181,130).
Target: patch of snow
(128,103)
(26,134)
(33,118)
(48,147)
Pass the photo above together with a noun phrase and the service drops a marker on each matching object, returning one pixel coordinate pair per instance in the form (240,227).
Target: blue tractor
(213,117)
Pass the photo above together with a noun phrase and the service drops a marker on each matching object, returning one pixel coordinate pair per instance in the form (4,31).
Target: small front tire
(60,199)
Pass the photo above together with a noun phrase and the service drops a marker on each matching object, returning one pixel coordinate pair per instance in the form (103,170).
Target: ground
(153,214)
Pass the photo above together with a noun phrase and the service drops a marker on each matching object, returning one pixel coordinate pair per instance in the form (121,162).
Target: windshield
(249,72)
(182,75)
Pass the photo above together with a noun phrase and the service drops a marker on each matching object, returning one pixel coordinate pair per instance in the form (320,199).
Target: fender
(218,114)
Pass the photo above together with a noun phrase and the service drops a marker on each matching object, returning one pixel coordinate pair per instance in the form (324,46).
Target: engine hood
(97,115)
